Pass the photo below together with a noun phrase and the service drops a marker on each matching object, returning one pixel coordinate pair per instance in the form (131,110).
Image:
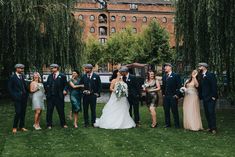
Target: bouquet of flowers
(40,87)
(121,89)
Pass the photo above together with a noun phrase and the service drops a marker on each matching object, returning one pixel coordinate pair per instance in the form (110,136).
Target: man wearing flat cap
(19,93)
(171,84)
(56,89)
(92,89)
(133,93)
(208,94)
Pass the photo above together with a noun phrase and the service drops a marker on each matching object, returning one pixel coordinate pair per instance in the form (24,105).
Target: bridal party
(121,111)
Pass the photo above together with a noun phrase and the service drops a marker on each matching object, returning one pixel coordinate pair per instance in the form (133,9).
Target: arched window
(113,18)
(134,30)
(92,30)
(164,20)
(80,17)
(113,30)
(103,31)
(123,18)
(134,19)
(92,18)
(102,18)
(145,19)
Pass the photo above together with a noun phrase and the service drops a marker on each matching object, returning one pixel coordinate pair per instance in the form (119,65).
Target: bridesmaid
(151,87)
(191,104)
(37,90)
(75,95)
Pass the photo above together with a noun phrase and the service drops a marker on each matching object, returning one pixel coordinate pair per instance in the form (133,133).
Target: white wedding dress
(115,114)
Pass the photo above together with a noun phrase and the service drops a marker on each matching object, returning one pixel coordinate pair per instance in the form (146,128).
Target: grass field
(95,142)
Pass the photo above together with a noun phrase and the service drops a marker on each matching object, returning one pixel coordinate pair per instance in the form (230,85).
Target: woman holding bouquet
(37,90)
(151,87)
(115,114)
(191,104)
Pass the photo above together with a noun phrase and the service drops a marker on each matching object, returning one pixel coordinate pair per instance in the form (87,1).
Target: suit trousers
(209,107)
(20,109)
(134,106)
(171,103)
(55,101)
(89,100)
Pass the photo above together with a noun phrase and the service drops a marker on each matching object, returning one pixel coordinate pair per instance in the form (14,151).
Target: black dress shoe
(86,125)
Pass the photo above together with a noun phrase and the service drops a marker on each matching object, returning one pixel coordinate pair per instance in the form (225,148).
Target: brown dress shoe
(23,129)
(14,130)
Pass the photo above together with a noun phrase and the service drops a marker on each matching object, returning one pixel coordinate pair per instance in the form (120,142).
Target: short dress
(38,98)
(151,97)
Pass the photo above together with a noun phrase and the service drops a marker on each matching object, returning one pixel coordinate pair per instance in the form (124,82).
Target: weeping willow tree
(205,31)
(37,33)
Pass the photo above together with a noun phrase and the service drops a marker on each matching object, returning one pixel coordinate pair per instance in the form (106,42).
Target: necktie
(54,76)
(21,77)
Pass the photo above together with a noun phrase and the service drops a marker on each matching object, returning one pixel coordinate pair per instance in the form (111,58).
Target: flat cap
(168,64)
(19,65)
(89,66)
(203,64)
(123,69)
(54,65)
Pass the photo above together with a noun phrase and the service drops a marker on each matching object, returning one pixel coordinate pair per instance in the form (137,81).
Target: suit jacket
(208,87)
(171,85)
(133,86)
(92,84)
(61,84)
(17,88)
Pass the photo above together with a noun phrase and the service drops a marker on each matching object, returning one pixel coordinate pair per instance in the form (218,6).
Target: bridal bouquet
(40,86)
(121,89)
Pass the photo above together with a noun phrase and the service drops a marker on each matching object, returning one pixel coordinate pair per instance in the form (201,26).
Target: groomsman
(171,93)
(19,93)
(92,89)
(133,93)
(56,89)
(208,94)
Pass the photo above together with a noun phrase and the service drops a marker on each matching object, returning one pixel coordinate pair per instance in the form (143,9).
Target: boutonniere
(128,80)
(94,78)
(59,76)
(171,76)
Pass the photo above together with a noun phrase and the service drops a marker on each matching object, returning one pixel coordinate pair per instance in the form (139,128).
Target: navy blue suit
(171,87)
(207,90)
(18,90)
(92,84)
(55,97)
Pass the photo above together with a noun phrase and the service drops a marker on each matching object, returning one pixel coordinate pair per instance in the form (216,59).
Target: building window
(113,18)
(145,19)
(102,40)
(92,18)
(102,18)
(164,20)
(134,19)
(133,6)
(123,18)
(173,20)
(134,30)
(103,31)
(113,30)
(92,29)
(80,17)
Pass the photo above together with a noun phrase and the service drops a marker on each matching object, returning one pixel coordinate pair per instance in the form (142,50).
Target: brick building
(103,18)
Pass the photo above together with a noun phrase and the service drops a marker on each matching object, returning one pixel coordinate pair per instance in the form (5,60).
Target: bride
(115,114)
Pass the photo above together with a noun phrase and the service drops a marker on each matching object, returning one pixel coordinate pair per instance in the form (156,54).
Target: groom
(208,93)
(133,92)
(92,89)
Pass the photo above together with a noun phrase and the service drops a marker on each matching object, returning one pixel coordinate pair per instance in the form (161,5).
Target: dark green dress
(75,97)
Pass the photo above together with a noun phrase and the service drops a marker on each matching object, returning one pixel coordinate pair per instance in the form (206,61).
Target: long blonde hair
(39,77)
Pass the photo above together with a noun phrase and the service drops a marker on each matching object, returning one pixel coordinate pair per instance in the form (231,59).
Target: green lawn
(140,142)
